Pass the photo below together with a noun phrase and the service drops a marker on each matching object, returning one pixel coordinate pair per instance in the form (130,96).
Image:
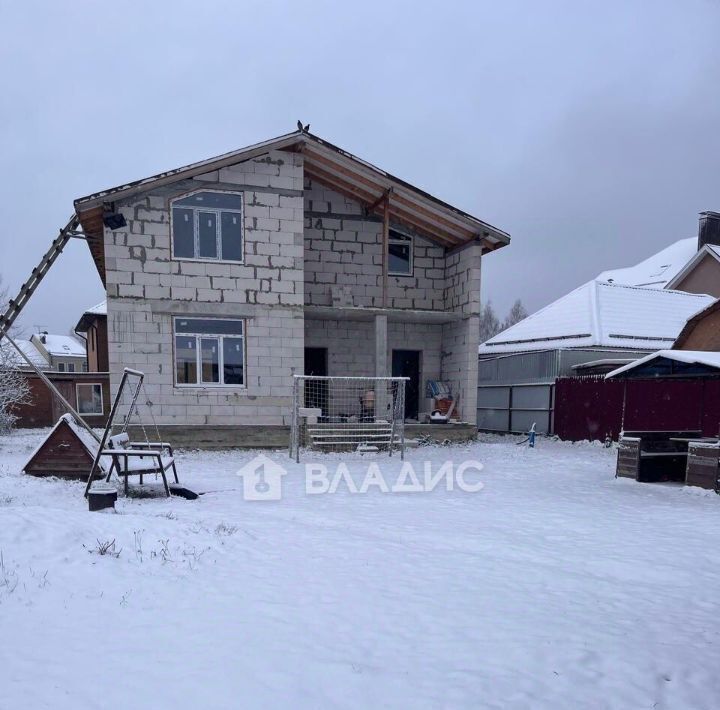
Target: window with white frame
(400,254)
(208,225)
(209,352)
(71,367)
(89,398)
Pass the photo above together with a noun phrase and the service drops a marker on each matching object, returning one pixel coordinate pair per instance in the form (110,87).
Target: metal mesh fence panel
(348,414)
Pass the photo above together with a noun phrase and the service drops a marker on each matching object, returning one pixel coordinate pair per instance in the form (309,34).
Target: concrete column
(382,397)
(381,347)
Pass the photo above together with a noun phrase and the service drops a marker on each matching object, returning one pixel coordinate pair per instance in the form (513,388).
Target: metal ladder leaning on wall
(16,305)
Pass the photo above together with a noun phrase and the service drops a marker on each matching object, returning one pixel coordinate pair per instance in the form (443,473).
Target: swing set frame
(132,458)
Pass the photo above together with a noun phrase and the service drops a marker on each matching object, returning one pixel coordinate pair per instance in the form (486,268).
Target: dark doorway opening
(406,363)
(316,393)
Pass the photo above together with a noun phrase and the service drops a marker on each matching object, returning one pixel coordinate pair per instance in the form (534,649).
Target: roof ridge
(611,284)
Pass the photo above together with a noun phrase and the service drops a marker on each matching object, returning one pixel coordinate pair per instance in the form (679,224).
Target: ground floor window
(209,351)
(89,398)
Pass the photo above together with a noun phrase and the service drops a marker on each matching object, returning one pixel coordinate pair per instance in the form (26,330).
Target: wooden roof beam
(427,229)
(380,201)
(355,176)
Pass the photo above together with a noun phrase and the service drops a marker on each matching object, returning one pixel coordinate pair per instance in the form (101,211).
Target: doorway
(406,363)
(316,393)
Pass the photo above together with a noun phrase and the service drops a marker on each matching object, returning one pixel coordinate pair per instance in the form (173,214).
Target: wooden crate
(628,459)
(702,465)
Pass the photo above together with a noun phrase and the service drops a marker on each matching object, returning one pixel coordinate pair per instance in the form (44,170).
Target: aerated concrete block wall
(344,248)
(351,344)
(461,338)
(351,347)
(460,363)
(146,288)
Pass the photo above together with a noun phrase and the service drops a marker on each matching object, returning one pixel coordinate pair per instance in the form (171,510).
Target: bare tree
(14,388)
(489,322)
(517,313)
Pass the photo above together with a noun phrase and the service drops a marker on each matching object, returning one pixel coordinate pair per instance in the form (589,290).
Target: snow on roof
(657,270)
(13,358)
(99,310)
(62,345)
(602,314)
(691,357)
(85,437)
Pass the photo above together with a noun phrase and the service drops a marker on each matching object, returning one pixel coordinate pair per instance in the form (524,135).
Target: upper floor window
(208,225)
(400,254)
(209,351)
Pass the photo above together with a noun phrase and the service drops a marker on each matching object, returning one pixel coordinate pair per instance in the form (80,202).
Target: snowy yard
(556,586)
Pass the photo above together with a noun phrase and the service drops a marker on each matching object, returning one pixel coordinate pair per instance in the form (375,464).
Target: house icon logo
(262,479)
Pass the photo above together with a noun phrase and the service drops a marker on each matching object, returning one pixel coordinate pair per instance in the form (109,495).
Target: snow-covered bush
(14,389)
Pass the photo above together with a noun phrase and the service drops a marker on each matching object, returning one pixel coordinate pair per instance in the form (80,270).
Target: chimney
(709,229)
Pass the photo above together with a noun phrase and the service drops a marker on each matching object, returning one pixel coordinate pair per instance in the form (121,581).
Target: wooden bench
(654,455)
(139,459)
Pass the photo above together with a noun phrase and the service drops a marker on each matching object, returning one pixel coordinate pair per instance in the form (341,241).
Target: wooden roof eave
(367,199)
(188,171)
(94,229)
(372,198)
(430,210)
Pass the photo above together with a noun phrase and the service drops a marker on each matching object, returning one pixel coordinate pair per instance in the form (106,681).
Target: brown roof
(326,164)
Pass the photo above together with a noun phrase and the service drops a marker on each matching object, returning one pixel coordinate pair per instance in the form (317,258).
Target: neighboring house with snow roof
(92,326)
(603,315)
(597,321)
(658,270)
(701,274)
(11,358)
(691,265)
(63,352)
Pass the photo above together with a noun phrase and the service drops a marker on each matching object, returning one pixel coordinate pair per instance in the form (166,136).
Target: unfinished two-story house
(226,277)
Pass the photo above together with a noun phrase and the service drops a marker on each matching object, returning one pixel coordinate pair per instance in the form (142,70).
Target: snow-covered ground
(556,586)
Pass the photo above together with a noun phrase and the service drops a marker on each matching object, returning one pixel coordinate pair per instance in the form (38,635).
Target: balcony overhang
(394,315)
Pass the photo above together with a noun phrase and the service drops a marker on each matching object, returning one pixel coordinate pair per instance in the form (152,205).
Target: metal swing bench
(139,459)
(130,458)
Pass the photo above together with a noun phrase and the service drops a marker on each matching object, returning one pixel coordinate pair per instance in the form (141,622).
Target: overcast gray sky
(588,130)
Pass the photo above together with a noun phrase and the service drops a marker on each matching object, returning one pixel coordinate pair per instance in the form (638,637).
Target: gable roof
(601,314)
(658,270)
(710,360)
(326,164)
(708,250)
(91,314)
(87,443)
(693,321)
(12,358)
(60,345)
(99,309)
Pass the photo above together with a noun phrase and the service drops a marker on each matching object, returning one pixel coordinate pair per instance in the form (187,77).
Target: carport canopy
(670,363)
